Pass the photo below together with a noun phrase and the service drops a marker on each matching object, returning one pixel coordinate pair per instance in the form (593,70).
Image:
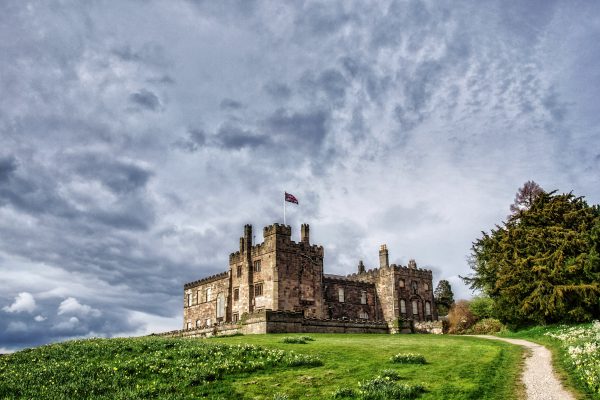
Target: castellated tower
(281,275)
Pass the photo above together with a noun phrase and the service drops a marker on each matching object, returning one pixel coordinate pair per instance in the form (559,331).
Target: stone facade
(280,279)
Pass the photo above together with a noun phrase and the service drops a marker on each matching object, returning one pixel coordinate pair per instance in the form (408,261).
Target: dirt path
(538,375)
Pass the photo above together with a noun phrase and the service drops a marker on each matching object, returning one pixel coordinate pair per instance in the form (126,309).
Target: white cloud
(71,306)
(68,325)
(24,302)
(40,318)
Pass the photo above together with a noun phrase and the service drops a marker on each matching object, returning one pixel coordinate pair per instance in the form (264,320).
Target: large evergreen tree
(543,264)
(443,296)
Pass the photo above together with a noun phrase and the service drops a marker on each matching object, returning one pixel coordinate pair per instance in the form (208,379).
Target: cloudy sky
(138,137)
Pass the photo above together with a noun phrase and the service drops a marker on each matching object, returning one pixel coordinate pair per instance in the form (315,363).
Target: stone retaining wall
(267,321)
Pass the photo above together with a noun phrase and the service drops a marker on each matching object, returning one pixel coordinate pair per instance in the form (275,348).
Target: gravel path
(538,376)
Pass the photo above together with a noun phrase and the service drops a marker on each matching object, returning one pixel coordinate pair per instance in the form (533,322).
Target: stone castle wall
(286,276)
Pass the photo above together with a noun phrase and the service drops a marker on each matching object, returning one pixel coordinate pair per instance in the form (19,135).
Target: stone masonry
(279,285)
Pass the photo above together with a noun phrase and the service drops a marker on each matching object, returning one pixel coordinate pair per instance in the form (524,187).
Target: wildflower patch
(583,347)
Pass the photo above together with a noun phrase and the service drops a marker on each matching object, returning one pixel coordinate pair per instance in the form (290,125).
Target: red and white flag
(290,198)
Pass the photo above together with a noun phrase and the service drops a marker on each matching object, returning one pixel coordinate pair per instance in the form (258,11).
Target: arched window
(426,286)
(341,295)
(198,323)
(415,287)
(402,306)
(363,315)
(207,295)
(427,308)
(401,283)
(415,307)
(363,297)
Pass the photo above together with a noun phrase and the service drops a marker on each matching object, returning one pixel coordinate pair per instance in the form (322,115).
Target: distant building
(281,286)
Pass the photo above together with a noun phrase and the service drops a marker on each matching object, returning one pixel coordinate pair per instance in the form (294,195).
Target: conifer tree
(443,296)
(542,266)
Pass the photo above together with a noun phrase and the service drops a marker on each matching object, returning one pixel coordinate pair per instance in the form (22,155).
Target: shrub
(279,396)
(381,388)
(460,317)
(390,374)
(482,307)
(487,325)
(408,358)
(307,338)
(294,340)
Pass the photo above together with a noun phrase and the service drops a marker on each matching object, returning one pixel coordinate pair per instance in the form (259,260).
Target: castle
(280,286)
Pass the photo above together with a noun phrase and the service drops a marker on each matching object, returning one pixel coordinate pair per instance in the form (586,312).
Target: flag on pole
(290,198)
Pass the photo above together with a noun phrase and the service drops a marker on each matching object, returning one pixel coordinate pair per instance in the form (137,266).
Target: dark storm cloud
(322,18)
(230,104)
(145,99)
(119,176)
(94,207)
(308,127)
(8,165)
(195,139)
(58,319)
(234,137)
(278,90)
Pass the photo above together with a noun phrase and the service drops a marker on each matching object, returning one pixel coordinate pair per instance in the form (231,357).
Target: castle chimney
(383,256)
(412,264)
(304,233)
(361,267)
(247,237)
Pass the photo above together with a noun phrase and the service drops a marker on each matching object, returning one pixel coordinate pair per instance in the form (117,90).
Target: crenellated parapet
(277,229)
(208,279)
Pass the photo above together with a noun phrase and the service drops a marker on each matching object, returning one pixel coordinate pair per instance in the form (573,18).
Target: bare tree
(525,196)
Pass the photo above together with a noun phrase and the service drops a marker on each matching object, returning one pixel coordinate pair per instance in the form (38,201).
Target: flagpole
(284,208)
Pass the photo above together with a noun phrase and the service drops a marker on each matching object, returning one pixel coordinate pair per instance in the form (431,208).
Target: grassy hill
(264,367)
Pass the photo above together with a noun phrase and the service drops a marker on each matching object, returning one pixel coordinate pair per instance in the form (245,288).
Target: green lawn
(456,367)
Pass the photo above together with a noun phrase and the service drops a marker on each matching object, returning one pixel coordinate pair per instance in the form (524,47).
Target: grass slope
(258,366)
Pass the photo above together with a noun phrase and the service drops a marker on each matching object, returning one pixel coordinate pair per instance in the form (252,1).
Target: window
(189,299)
(188,325)
(401,283)
(220,305)
(363,297)
(207,295)
(257,266)
(341,295)
(239,271)
(236,294)
(427,308)
(235,317)
(198,323)
(402,306)
(208,322)
(198,297)
(363,315)
(415,287)
(415,307)
(258,289)
(426,286)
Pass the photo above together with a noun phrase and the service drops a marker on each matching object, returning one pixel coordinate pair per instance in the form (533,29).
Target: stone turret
(304,233)
(384,261)
(361,267)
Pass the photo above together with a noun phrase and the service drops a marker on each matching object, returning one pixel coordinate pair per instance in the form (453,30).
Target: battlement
(206,280)
(277,229)
(404,270)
